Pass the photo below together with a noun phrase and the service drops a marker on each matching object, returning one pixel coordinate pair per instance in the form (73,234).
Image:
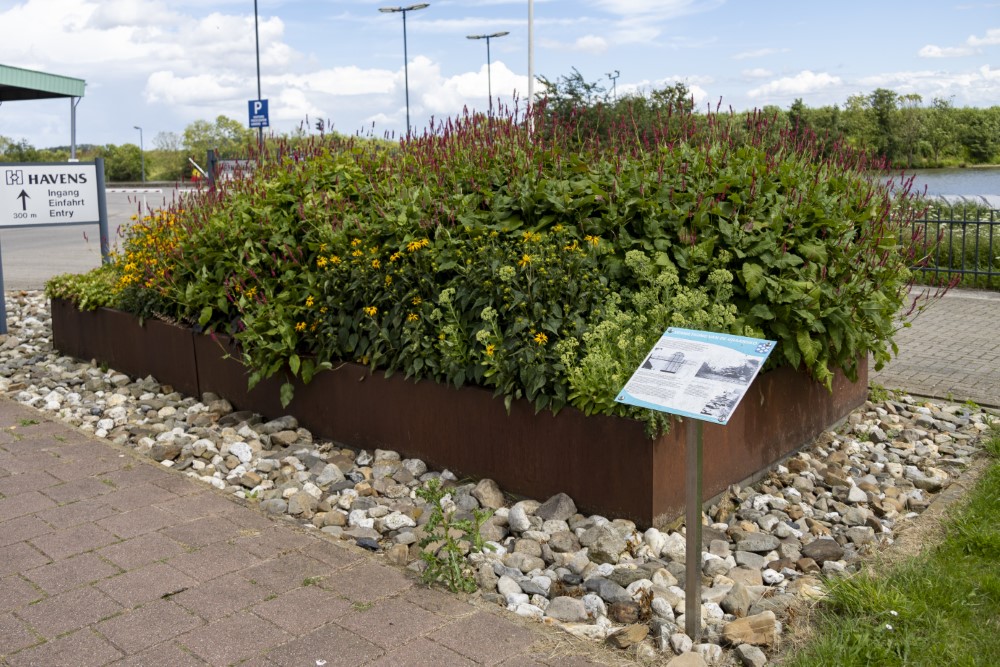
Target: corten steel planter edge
(116,338)
(606,464)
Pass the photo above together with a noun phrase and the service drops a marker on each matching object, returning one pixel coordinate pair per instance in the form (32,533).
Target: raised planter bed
(606,464)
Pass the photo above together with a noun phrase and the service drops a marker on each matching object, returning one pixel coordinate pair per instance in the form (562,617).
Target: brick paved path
(951,351)
(106,558)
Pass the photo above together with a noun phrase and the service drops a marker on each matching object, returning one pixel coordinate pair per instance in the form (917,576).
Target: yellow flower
(376,264)
(355,243)
(310,301)
(490,349)
(525,261)
(394,256)
(388,280)
(323,309)
(334,259)
(592,240)
(541,338)
(531,237)
(412,317)
(321,261)
(414,246)
(416,301)
(301,326)
(371,310)
(251,292)
(356,253)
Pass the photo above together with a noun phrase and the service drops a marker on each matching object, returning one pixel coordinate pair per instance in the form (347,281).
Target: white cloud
(757,73)
(992,38)
(758,53)
(803,83)
(591,44)
(933,51)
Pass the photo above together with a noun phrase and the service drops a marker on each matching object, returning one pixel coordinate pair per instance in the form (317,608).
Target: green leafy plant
(450,539)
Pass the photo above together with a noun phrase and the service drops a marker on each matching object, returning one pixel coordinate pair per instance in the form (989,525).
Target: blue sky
(161,64)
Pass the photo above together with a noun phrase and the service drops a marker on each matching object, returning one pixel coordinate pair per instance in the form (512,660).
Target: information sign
(698,374)
(46,194)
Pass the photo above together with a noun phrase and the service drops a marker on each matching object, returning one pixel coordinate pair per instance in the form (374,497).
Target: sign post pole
(692,522)
(700,376)
(102,207)
(3,300)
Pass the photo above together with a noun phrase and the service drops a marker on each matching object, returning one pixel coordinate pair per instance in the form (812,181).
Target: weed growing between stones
(450,538)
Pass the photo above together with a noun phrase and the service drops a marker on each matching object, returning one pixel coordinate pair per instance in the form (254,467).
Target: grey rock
(822,550)
(567,610)
(608,590)
(559,507)
(489,494)
(757,543)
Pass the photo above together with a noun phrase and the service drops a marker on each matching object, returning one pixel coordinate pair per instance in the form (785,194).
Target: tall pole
(256,36)
(531,52)
(614,81)
(406,57)
(142,154)
(489,75)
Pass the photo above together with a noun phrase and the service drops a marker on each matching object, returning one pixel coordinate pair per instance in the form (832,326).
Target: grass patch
(936,608)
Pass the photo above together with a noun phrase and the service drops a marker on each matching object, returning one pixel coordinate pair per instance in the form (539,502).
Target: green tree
(882,105)
(939,130)
(978,135)
(122,163)
(909,129)
(226,136)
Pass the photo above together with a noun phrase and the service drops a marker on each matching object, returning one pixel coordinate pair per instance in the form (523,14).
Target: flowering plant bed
(607,464)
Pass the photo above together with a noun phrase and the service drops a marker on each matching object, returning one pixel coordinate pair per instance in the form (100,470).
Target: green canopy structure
(17,84)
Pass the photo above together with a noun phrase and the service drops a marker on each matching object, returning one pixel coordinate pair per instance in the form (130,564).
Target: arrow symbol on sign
(24,197)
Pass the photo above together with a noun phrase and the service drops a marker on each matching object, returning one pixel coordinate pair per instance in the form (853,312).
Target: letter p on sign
(258,113)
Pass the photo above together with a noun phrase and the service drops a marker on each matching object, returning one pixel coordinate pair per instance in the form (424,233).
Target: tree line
(906,130)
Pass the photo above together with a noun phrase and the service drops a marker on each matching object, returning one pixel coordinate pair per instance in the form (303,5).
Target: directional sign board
(258,113)
(48,194)
(698,374)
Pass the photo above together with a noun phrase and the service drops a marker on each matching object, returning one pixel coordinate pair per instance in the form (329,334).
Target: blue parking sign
(258,113)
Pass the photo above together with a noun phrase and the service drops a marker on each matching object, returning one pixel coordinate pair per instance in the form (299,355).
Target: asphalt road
(32,255)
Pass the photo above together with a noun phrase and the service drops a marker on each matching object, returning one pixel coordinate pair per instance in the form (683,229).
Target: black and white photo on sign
(735,368)
(664,360)
(722,404)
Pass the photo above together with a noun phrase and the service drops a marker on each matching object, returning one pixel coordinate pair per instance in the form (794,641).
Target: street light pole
(142,153)
(489,76)
(256,37)
(406,58)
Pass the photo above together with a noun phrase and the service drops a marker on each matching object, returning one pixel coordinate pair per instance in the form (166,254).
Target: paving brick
(70,470)
(24,503)
(146,584)
(303,609)
(422,652)
(288,572)
(59,614)
(133,474)
(202,532)
(71,541)
(213,561)
(70,573)
(15,592)
(20,556)
(143,550)
(439,602)
(15,634)
(137,522)
(21,529)
(85,511)
(484,637)
(151,624)
(367,582)
(234,638)
(202,504)
(133,497)
(176,482)
(78,489)
(15,484)
(167,654)
(270,542)
(391,622)
(220,597)
(332,644)
(80,649)
(328,552)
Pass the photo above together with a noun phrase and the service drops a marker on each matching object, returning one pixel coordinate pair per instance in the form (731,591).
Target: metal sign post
(702,376)
(52,194)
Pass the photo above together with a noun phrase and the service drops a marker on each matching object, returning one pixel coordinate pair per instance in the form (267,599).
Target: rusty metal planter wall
(606,464)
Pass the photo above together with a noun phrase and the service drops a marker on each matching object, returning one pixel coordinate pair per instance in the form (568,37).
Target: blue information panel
(258,113)
(697,374)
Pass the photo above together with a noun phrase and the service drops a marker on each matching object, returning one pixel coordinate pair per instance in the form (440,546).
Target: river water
(978,181)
